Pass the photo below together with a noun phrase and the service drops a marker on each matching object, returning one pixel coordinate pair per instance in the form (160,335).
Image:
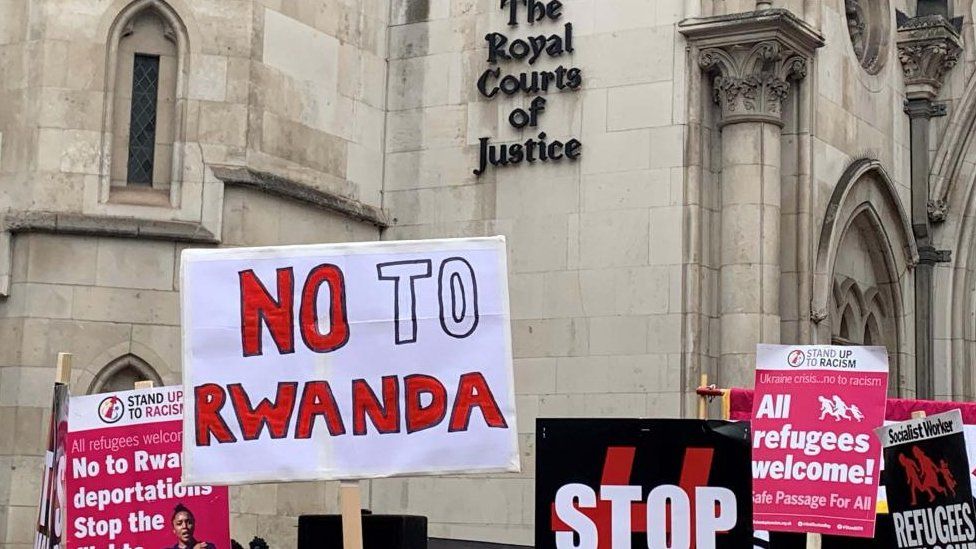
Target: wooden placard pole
(703,400)
(143,385)
(63,372)
(350,503)
(918,415)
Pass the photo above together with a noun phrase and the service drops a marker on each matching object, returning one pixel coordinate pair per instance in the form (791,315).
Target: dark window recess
(142,126)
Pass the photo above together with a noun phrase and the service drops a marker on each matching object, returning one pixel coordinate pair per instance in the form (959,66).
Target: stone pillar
(750,90)
(754,60)
(750,270)
(928,46)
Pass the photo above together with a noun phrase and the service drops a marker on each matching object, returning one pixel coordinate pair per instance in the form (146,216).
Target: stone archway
(955,282)
(952,211)
(863,271)
(173,30)
(121,375)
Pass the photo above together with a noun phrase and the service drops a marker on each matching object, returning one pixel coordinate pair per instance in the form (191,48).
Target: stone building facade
(799,171)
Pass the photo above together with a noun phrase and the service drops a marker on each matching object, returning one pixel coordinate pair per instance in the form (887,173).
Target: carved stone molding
(280,186)
(753,58)
(818,315)
(750,83)
(938,209)
(929,255)
(928,48)
(856,26)
(869,28)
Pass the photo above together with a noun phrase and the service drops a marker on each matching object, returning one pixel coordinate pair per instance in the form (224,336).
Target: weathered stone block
(539,244)
(258,499)
(627,230)
(617,152)
(208,77)
(81,152)
(639,106)
(666,230)
(135,264)
(124,305)
(57,259)
(550,338)
(223,123)
(618,335)
(535,376)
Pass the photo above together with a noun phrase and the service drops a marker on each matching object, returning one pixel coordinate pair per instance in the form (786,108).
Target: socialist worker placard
(927,471)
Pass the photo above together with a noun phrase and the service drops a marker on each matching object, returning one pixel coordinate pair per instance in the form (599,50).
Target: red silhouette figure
(930,474)
(950,481)
(912,472)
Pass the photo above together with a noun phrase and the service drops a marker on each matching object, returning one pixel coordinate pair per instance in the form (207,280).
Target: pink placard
(123,477)
(815,458)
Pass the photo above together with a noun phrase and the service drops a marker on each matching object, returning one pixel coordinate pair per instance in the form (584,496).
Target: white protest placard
(347,361)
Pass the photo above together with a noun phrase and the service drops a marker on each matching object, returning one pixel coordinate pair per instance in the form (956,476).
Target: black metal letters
(494,80)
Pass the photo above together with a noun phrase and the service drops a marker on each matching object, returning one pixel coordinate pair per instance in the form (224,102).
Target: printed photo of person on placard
(184,528)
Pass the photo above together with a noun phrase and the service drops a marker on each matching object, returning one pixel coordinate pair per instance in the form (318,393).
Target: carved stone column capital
(750,83)
(928,48)
(753,59)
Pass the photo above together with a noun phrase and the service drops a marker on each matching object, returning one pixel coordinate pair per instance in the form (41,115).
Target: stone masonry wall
(102,298)
(860,115)
(595,247)
(255,96)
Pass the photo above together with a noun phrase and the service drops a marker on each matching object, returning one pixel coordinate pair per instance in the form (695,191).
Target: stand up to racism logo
(111,409)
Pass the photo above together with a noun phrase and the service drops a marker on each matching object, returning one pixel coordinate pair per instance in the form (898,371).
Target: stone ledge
(98,225)
(20,221)
(287,188)
(751,27)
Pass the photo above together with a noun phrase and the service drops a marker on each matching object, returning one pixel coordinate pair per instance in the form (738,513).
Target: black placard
(927,482)
(698,462)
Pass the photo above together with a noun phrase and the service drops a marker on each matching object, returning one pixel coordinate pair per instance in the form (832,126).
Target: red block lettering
(257,305)
(208,400)
(318,400)
(421,417)
(473,392)
(338,325)
(276,416)
(385,418)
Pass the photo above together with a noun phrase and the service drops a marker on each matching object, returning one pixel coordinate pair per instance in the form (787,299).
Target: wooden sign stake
(352,517)
(703,400)
(63,373)
(142,385)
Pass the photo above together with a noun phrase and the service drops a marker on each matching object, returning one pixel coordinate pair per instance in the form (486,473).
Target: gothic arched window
(146,60)
(121,375)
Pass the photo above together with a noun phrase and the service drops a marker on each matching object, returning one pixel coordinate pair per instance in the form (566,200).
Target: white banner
(347,361)
(793,358)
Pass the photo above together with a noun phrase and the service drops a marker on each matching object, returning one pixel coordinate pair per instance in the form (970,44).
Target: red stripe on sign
(617,468)
(618,465)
